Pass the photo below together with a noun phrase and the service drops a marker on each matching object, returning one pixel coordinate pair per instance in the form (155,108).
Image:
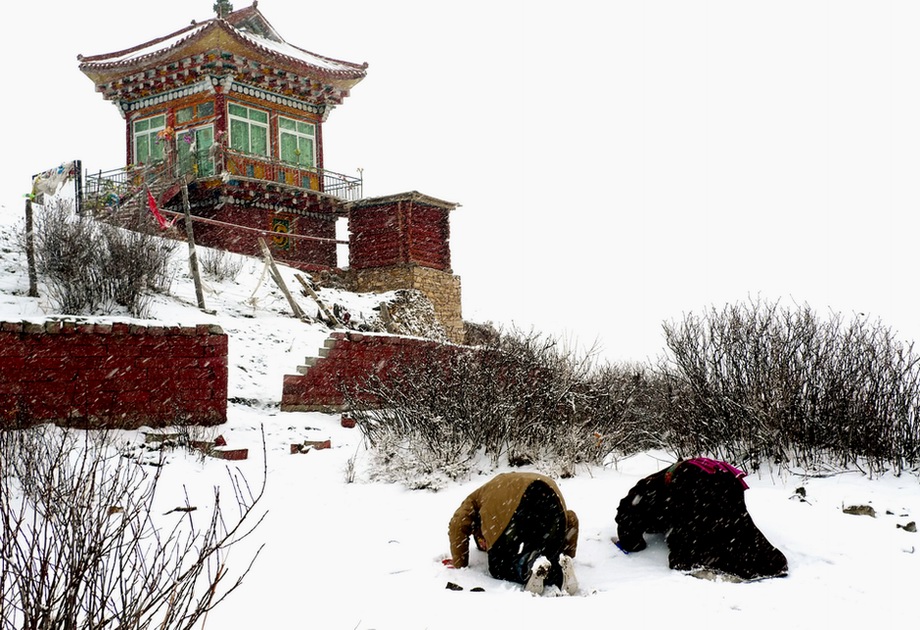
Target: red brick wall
(292,250)
(266,207)
(350,358)
(111,375)
(399,230)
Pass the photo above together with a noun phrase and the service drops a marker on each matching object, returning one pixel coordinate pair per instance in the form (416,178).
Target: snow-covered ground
(367,555)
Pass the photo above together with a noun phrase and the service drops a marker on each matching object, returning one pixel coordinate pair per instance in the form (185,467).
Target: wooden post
(327,314)
(78,186)
(192,255)
(30,250)
(276,276)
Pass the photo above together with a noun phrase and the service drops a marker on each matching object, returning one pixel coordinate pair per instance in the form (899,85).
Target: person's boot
(569,581)
(538,573)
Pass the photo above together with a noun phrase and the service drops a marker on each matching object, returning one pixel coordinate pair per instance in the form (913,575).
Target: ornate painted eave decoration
(252,193)
(243,48)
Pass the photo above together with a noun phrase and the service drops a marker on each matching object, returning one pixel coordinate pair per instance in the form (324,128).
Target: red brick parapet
(111,375)
(349,359)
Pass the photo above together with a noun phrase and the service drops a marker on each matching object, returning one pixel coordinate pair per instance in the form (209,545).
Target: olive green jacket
(487,511)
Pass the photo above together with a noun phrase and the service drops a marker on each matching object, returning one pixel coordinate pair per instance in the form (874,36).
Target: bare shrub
(81,546)
(221,265)
(751,383)
(756,382)
(134,263)
(521,398)
(89,266)
(423,429)
(629,409)
(66,254)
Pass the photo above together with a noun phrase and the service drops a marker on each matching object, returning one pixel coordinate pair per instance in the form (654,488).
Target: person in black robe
(699,505)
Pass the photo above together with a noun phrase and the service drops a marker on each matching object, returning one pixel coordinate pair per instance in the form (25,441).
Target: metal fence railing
(344,187)
(113,187)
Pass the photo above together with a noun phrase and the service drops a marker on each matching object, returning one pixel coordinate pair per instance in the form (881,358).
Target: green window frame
(193,148)
(194,112)
(148,148)
(248,129)
(297,142)
(185,114)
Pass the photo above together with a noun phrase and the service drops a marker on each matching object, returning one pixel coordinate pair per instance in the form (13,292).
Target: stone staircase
(348,359)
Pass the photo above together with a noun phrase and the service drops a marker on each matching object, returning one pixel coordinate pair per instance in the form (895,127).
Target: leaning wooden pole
(30,250)
(331,319)
(192,255)
(276,276)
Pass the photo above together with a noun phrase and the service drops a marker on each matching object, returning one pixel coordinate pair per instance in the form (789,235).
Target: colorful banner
(51,181)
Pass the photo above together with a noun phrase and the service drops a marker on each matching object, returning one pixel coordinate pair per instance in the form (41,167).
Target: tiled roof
(247,26)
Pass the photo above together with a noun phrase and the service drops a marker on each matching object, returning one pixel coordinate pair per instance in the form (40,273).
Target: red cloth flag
(152,204)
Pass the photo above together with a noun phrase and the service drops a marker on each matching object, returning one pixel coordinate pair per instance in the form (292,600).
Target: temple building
(229,110)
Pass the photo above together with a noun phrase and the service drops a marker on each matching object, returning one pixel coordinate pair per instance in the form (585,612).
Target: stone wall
(118,375)
(443,289)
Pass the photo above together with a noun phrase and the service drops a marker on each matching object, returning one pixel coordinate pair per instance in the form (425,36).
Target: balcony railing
(344,187)
(112,188)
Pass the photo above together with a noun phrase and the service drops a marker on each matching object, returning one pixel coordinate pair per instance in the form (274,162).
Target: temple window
(185,114)
(193,148)
(248,130)
(295,140)
(192,112)
(148,148)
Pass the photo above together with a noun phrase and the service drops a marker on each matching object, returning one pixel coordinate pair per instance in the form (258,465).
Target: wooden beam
(327,314)
(192,254)
(30,249)
(276,276)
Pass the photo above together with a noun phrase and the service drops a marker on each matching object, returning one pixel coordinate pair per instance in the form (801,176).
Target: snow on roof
(146,49)
(289,50)
(239,25)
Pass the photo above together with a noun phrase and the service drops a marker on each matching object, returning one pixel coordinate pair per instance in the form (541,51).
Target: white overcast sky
(618,163)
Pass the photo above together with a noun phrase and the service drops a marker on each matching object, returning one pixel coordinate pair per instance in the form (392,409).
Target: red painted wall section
(399,230)
(349,358)
(429,242)
(299,227)
(289,249)
(117,375)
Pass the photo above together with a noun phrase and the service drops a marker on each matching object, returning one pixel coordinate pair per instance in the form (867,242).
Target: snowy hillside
(363,555)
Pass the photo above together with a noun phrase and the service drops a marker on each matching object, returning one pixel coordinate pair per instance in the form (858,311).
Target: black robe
(705,521)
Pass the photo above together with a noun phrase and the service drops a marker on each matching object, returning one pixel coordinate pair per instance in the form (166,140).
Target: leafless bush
(522,398)
(134,262)
(424,426)
(81,546)
(753,383)
(89,266)
(66,254)
(221,265)
(630,409)
(756,382)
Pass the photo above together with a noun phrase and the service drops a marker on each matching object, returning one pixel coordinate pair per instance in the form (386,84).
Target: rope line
(258,230)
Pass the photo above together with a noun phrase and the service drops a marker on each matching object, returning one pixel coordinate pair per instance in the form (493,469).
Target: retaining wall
(351,358)
(442,289)
(118,375)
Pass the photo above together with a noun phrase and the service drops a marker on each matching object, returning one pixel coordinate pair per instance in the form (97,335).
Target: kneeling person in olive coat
(699,505)
(521,521)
